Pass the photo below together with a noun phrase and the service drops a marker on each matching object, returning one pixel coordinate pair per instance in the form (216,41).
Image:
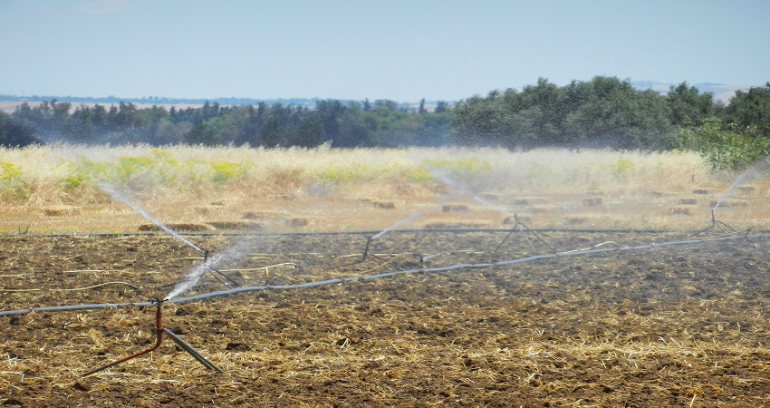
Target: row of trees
(604,111)
(381,123)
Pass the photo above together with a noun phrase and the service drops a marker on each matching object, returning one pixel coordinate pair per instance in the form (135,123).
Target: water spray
(742,178)
(121,196)
(211,264)
(518,225)
(761,164)
(596,249)
(521,228)
(159,330)
(366,255)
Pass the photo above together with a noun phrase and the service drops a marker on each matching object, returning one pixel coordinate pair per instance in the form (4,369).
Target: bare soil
(678,325)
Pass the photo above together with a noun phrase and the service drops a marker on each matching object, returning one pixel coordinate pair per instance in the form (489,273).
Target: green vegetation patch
(12,185)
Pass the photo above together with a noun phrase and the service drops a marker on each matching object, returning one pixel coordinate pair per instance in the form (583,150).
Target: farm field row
(667,326)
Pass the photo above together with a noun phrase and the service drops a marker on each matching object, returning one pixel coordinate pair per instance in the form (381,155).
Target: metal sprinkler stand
(364,256)
(159,330)
(715,224)
(219,275)
(520,227)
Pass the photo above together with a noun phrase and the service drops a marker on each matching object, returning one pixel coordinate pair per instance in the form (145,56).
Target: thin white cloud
(104,7)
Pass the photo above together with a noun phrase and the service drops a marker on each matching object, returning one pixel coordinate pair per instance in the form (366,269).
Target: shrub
(12,185)
(731,149)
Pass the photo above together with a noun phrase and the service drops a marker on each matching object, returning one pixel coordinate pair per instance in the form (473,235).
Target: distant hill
(155,100)
(9,103)
(722,92)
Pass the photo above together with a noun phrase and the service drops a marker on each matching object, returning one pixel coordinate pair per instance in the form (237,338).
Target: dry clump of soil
(668,326)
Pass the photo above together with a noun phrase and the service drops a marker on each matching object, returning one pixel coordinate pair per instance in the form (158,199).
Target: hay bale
(521,218)
(490,196)
(746,190)
(298,222)
(681,210)
(178,227)
(406,190)
(540,209)
(529,201)
(454,207)
(730,204)
(592,202)
(60,210)
(687,201)
(217,203)
(261,215)
(455,225)
(235,225)
(660,194)
(287,197)
(207,209)
(703,191)
(385,206)
(576,219)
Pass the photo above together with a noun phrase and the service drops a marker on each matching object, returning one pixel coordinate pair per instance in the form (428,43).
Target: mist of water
(462,189)
(232,253)
(392,227)
(754,169)
(441,175)
(492,206)
(121,196)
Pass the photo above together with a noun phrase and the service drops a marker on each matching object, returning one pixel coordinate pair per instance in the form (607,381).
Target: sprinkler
(381,263)
(366,255)
(159,330)
(519,226)
(218,275)
(716,224)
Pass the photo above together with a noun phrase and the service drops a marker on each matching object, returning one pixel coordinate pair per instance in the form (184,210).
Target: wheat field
(55,189)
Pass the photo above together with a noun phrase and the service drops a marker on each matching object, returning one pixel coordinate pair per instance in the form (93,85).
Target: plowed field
(682,325)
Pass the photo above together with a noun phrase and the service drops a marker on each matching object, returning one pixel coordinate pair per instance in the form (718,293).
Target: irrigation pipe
(335,233)
(384,275)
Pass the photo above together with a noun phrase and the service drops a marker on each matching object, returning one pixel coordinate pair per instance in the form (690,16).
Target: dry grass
(335,189)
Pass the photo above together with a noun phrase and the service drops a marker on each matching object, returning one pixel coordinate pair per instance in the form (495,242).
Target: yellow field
(53,189)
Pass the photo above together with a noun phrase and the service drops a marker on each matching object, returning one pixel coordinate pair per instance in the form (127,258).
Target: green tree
(688,107)
(13,134)
(482,121)
(310,132)
(612,112)
(330,112)
(750,110)
(387,104)
(200,134)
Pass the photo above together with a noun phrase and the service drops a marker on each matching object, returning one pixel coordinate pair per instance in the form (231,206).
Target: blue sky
(346,49)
